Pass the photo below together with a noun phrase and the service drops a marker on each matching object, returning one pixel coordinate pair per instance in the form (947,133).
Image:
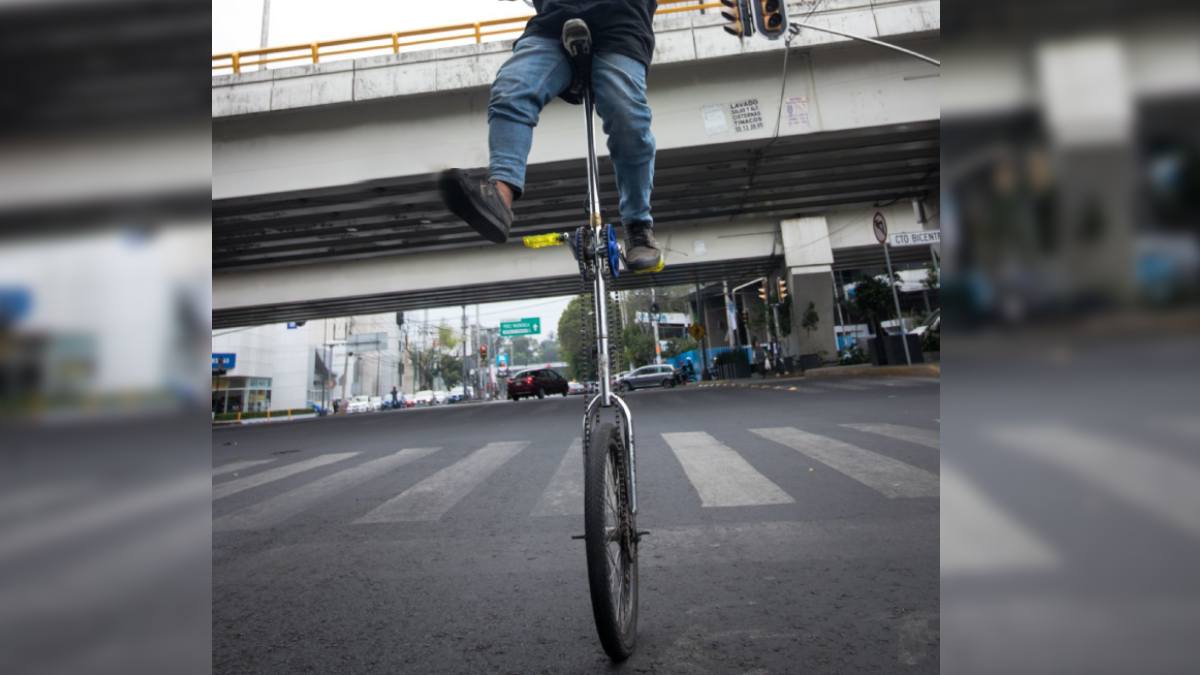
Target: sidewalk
(832,372)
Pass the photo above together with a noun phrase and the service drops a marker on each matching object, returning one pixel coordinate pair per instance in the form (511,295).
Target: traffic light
(782,288)
(739,16)
(771,17)
(762,292)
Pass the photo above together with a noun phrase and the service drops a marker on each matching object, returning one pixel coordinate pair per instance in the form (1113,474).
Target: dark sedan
(539,382)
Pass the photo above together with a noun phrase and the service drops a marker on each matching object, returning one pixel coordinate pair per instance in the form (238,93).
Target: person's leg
(537,71)
(620,85)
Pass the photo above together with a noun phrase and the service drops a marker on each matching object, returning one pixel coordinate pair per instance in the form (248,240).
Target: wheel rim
(619,572)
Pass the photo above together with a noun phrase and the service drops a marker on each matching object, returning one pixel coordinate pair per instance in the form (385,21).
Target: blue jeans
(535,74)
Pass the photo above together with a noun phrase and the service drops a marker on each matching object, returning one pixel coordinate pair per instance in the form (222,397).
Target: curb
(786,382)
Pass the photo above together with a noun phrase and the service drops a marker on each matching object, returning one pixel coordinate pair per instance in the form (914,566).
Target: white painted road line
(433,497)
(252,481)
(927,437)
(1159,484)
(890,477)
(238,466)
(564,495)
(978,537)
(281,507)
(721,475)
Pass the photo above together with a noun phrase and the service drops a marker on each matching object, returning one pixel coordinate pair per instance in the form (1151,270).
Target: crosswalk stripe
(254,480)
(927,437)
(564,495)
(1157,483)
(845,386)
(979,537)
(238,466)
(890,477)
(281,507)
(720,474)
(433,497)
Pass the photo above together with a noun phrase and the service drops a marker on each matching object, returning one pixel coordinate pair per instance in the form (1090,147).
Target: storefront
(241,394)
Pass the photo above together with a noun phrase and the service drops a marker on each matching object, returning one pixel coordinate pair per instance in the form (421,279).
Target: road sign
(879,224)
(918,238)
(367,341)
(528,326)
(224,361)
(696,331)
(15,303)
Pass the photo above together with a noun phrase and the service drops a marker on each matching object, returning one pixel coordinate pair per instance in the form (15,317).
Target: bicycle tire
(612,580)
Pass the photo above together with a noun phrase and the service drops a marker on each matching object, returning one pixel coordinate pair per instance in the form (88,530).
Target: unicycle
(610,475)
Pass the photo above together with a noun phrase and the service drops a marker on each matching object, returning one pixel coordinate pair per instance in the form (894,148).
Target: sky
(237,25)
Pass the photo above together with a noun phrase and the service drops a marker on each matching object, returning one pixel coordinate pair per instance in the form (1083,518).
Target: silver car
(648,376)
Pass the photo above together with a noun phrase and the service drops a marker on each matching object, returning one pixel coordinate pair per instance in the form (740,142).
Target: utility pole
(464,351)
(703,324)
(654,325)
(730,315)
(896,298)
(478,361)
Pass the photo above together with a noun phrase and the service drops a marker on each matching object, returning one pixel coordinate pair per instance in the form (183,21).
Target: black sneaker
(478,203)
(641,250)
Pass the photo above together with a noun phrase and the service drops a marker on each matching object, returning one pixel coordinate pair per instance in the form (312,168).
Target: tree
(446,337)
(639,346)
(548,351)
(871,300)
(521,350)
(679,345)
(810,319)
(574,321)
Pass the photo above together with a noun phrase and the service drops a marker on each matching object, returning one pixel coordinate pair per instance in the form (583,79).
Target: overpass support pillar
(808,256)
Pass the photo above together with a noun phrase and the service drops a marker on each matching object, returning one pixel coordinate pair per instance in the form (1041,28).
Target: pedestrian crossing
(279,473)
(888,476)
(925,437)
(433,497)
(720,475)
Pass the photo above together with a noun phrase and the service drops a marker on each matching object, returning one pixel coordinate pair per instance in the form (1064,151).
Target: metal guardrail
(394,42)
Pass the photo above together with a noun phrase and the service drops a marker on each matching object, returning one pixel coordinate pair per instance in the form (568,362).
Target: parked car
(456,393)
(933,324)
(539,382)
(440,396)
(376,402)
(360,404)
(423,397)
(574,387)
(648,376)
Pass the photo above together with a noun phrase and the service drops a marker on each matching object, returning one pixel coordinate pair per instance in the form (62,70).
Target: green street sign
(523,327)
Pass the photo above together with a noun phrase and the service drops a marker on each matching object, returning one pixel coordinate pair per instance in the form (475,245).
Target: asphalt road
(791,531)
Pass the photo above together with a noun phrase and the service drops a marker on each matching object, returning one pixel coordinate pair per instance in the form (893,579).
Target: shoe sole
(454,186)
(656,267)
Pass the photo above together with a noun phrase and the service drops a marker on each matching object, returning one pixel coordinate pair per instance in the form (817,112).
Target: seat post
(593,172)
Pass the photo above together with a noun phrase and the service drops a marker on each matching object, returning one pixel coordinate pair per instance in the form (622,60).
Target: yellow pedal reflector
(543,240)
(662,262)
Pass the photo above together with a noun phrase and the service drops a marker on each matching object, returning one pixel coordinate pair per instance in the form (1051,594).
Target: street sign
(528,326)
(918,238)
(15,303)
(224,361)
(367,341)
(696,331)
(880,226)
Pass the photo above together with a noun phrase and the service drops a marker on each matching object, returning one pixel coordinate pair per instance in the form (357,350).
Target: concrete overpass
(323,175)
